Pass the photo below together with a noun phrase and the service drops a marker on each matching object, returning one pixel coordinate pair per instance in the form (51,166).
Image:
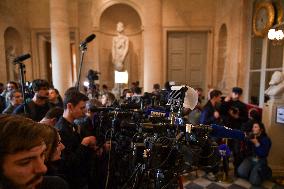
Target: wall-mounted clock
(263,18)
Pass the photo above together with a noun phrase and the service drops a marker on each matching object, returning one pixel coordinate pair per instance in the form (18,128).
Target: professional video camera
(153,145)
(92,77)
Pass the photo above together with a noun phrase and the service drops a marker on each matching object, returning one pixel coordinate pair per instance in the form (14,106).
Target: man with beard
(23,148)
(38,106)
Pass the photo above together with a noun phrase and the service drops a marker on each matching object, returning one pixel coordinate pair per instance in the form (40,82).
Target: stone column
(60,45)
(152,44)
(3,69)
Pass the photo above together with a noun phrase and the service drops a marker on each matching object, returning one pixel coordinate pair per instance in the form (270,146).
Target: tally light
(121,77)
(86,84)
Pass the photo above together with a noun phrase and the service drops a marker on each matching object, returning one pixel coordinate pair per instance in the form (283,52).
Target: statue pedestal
(276,133)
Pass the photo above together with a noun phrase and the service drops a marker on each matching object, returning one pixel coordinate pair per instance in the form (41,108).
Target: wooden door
(187,57)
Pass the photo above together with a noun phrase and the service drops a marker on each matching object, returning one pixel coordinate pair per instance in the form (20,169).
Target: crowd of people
(54,142)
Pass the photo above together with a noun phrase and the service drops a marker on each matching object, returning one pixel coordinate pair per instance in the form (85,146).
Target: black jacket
(207,115)
(76,157)
(235,106)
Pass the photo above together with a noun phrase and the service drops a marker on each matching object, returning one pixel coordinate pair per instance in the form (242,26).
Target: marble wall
(90,16)
(147,24)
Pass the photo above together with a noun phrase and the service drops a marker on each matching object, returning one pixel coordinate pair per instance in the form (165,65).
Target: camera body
(235,110)
(251,135)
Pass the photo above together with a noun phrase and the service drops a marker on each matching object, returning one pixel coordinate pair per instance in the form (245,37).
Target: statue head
(120,27)
(276,78)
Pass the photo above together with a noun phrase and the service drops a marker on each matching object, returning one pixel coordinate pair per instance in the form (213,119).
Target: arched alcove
(132,24)
(222,57)
(13,48)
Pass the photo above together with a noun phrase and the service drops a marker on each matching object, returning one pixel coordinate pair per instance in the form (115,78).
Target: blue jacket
(263,149)
(207,115)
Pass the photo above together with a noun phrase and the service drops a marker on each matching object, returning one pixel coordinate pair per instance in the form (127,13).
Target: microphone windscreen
(87,40)
(90,38)
(22,58)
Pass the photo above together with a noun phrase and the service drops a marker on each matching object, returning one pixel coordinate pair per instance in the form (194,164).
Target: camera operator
(254,167)
(234,114)
(86,123)
(39,105)
(234,111)
(137,95)
(93,90)
(77,153)
(165,93)
(209,114)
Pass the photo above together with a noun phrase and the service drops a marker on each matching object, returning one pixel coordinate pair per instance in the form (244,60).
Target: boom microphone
(21,58)
(87,40)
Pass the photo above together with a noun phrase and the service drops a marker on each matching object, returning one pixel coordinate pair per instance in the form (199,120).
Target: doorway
(187,57)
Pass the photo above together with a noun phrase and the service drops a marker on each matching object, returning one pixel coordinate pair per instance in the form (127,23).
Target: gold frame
(271,15)
(279,12)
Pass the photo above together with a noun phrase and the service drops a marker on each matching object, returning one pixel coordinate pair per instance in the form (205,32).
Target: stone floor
(200,181)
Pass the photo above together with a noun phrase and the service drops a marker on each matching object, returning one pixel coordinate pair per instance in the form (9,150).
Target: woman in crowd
(15,98)
(254,167)
(54,97)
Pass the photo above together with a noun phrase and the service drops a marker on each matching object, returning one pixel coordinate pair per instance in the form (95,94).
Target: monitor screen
(280,114)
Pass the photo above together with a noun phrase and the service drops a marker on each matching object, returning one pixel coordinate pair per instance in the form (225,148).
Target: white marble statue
(119,48)
(276,85)
(10,56)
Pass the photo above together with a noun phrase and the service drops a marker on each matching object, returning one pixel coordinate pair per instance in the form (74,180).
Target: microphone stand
(22,78)
(83,51)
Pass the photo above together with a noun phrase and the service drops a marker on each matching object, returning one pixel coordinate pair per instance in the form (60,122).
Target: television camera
(153,146)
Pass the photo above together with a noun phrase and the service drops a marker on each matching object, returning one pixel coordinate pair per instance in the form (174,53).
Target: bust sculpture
(119,48)
(276,85)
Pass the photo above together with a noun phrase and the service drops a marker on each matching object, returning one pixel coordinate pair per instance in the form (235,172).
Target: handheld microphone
(87,40)
(21,58)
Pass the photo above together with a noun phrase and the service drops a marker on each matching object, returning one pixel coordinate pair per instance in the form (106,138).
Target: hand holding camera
(253,138)
(234,112)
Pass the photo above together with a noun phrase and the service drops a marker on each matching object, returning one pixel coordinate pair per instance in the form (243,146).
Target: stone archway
(133,30)
(13,48)
(222,58)
(100,7)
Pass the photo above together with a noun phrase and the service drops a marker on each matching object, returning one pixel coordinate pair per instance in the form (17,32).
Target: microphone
(87,40)
(21,58)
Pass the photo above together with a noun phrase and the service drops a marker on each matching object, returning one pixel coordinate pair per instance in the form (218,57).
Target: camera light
(86,83)
(121,77)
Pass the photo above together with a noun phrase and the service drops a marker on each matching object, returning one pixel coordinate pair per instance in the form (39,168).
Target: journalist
(254,167)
